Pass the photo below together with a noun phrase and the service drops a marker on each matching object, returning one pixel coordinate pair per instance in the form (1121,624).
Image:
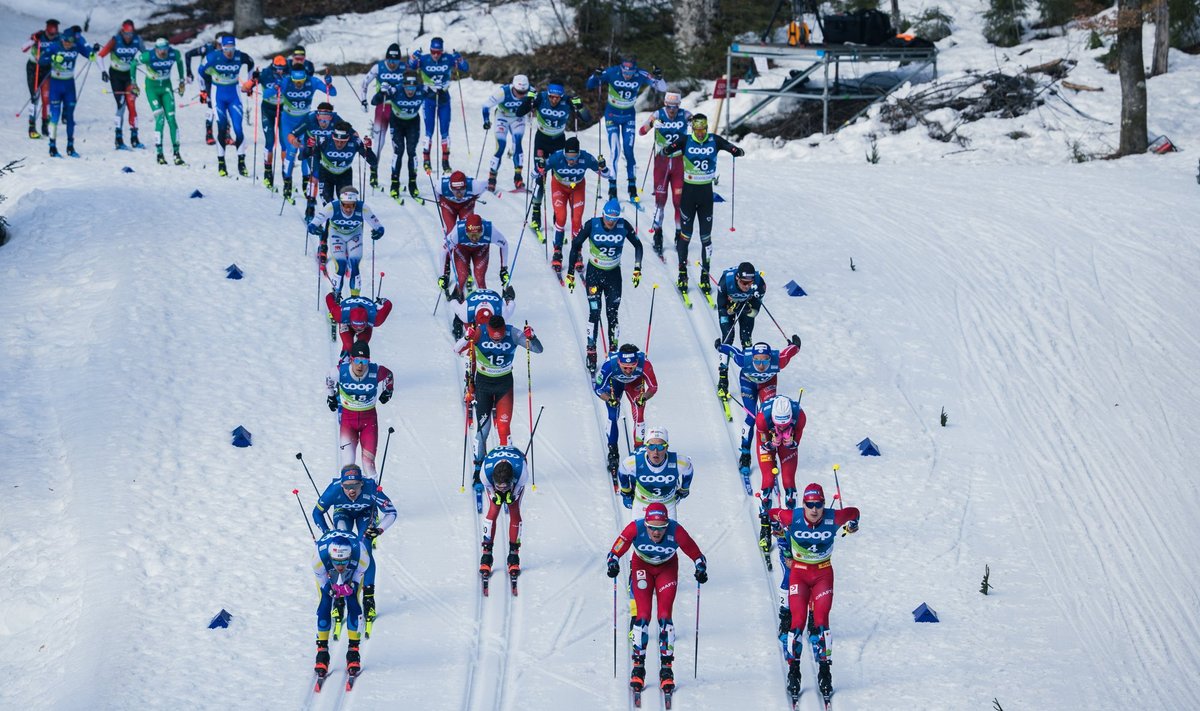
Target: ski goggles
(360,361)
(814,504)
(657,447)
(761,362)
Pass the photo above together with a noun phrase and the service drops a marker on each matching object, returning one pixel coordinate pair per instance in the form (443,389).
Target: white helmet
(520,83)
(349,194)
(340,552)
(781,410)
(657,433)
(671,99)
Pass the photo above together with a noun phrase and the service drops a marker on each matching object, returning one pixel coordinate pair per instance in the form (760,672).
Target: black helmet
(360,350)
(572,145)
(393,51)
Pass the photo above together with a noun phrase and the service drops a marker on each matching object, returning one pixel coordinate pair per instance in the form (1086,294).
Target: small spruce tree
(1002,23)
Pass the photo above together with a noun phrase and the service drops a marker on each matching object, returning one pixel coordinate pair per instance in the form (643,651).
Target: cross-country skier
(478,307)
(405,104)
(353,388)
(124,47)
(809,540)
(356,318)
(386,75)
(653,475)
(271,80)
(698,150)
(492,350)
(780,424)
(311,131)
(469,245)
(206,92)
(360,506)
(157,64)
(624,82)
(502,482)
(670,124)
(225,67)
(740,293)
(346,220)
(568,191)
(334,159)
(37,75)
(339,564)
(654,541)
(65,53)
(606,237)
(551,108)
(437,68)
(297,95)
(512,103)
(456,197)
(759,368)
(299,60)
(627,372)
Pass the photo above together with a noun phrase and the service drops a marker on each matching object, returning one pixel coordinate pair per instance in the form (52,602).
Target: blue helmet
(555,89)
(227,41)
(612,209)
(436,44)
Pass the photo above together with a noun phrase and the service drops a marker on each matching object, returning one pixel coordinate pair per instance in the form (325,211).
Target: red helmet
(458,180)
(358,317)
(814,492)
(483,314)
(474,223)
(656,515)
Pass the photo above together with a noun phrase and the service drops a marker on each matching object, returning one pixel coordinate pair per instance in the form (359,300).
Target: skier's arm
(603,375)
(674,146)
(386,381)
(372,219)
(386,508)
(685,475)
(320,217)
(492,102)
(687,544)
(847,517)
(360,570)
(531,343)
(318,511)
(576,253)
(733,351)
(335,309)
(650,380)
(371,75)
(648,125)
(381,313)
(501,242)
(625,476)
(631,235)
(319,571)
(623,541)
(787,353)
(723,145)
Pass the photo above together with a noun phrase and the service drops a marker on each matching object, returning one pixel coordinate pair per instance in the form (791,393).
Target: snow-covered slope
(1049,309)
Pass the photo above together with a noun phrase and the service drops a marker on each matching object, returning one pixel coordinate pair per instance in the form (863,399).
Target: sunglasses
(814,504)
(761,361)
(656,447)
(361,361)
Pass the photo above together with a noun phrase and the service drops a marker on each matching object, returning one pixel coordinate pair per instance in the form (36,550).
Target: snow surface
(1049,307)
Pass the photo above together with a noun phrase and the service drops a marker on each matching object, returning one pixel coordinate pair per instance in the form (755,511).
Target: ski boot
(824,679)
(323,256)
(793,678)
(412,186)
(491,183)
(612,190)
(723,381)
(338,615)
(744,460)
(614,457)
(785,624)
(682,282)
(33,132)
(71,149)
(242,167)
(394,187)
(446,159)
(633,192)
(368,602)
(518,181)
(485,562)
(353,658)
(133,139)
(373,181)
(456,330)
(221,171)
(178,158)
(535,221)
(556,260)
(208,134)
(269,175)
(287,190)
(591,356)
(703,283)
(119,142)
(764,527)
(514,561)
(425,162)
(321,667)
(637,677)
(789,495)
(159,157)
(45,126)
(53,148)
(666,676)
(658,241)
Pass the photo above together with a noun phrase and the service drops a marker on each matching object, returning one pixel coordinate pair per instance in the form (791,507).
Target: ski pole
(520,237)
(373,294)
(483,150)
(468,400)
(254,98)
(650,321)
(437,303)
(463,107)
(614,628)
(381,276)
(838,484)
(529,447)
(300,456)
(296,493)
(529,390)
(696,650)
(733,197)
(379,480)
(625,426)
(764,305)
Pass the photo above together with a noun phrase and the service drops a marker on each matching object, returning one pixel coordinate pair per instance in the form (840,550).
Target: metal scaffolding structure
(821,57)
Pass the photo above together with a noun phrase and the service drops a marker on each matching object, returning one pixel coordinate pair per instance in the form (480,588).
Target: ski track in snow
(1049,309)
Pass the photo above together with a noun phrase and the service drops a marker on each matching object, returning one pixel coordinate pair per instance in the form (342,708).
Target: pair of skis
(485,578)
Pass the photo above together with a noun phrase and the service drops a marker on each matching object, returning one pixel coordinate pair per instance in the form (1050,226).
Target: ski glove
(682,494)
(637,276)
(627,500)
(332,402)
(571,282)
(364,105)
(852,526)
(487,125)
(343,590)
(509,293)
(614,568)
(385,396)
(503,276)
(529,333)
(182,86)
(737,152)
(794,340)
(656,72)
(576,102)
(443,281)
(702,571)
(204,97)
(313,229)
(373,532)
(717,344)
(500,498)
(601,162)
(377,233)
(104,75)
